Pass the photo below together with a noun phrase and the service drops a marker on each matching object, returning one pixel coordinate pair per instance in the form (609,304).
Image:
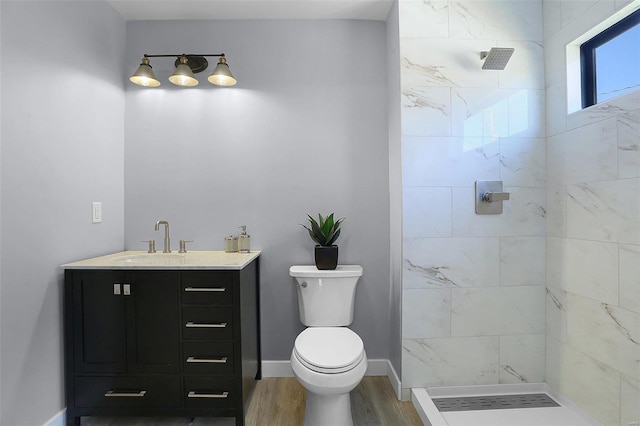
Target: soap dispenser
(244,241)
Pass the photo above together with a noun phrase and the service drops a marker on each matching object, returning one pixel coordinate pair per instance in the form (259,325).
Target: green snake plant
(324,231)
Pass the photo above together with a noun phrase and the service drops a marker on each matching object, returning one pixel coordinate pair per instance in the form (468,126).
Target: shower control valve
(495,196)
(489,197)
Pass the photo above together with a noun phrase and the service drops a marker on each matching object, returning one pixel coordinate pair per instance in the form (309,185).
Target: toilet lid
(329,349)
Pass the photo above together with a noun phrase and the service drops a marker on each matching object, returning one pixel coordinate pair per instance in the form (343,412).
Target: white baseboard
(376,367)
(395,381)
(277,369)
(57,420)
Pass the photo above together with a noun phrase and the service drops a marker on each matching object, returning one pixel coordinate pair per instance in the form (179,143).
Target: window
(610,61)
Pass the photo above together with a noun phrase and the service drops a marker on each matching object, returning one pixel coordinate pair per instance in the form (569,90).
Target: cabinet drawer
(207,323)
(207,287)
(209,392)
(130,391)
(208,357)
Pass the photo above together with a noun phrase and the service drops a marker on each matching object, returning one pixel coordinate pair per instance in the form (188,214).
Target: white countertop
(213,260)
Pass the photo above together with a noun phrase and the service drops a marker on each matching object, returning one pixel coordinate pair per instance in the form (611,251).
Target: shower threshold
(532,404)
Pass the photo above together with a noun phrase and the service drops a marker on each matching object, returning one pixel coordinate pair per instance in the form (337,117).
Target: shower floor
(474,409)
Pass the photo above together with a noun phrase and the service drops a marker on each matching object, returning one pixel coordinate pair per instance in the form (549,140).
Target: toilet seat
(329,350)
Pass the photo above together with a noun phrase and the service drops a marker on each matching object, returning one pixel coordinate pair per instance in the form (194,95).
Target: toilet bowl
(328,359)
(329,362)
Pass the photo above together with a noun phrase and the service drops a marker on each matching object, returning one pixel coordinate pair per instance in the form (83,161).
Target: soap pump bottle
(244,241)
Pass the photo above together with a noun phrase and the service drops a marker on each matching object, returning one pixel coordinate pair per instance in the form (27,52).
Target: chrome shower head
(496,58)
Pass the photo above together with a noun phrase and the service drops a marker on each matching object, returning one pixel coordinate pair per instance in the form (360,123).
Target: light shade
(144,75)
(183,76)
(221,75)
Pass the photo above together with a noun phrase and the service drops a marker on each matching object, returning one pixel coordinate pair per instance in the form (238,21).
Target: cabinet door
(99,322)
(153,322)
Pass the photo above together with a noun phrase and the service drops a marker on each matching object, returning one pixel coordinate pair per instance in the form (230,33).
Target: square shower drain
(494,402)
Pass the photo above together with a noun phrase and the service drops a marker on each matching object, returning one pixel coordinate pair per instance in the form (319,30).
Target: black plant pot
(326,257)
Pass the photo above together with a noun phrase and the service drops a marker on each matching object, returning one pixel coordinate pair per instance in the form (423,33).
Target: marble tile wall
(593,226)
(549,290)
(473,285)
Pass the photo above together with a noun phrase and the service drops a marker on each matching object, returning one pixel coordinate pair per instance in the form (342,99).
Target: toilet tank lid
(310,271)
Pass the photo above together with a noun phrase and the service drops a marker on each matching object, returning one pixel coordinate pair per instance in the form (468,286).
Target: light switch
(96,216)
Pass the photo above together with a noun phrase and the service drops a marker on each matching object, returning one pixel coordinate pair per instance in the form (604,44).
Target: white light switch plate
(96,212)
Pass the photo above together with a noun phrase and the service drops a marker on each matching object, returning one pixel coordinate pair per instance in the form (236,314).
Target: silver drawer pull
(126,394)
(193,394)
(222,360)
(216,289)
(191,324)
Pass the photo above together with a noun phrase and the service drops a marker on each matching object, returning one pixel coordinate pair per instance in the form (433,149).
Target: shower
(496,58)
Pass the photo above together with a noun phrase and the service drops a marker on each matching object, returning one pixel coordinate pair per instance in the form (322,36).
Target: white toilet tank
(326,297)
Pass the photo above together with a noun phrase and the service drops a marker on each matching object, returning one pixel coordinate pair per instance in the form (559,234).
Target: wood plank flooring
(374,402)
(279,401)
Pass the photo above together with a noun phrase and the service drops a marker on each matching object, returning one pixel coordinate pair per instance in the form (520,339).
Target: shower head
(496,58)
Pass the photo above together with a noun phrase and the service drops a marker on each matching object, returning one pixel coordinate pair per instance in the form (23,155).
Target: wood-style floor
(279,401)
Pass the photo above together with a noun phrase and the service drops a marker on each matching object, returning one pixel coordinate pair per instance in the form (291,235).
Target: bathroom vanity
(161,334)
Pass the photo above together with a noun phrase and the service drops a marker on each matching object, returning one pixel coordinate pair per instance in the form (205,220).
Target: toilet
(328,359)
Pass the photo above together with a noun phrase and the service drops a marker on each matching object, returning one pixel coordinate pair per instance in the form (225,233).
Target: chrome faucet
(167,242)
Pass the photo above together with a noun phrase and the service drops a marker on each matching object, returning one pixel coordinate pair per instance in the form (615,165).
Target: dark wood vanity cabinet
(180,343)
(125,322)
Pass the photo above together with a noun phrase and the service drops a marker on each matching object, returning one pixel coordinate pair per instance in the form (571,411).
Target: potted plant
(325,231)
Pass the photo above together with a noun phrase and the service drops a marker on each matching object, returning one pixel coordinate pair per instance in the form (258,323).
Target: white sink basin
(152,258)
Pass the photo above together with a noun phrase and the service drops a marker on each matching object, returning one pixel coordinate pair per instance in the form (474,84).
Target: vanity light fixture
(186,66)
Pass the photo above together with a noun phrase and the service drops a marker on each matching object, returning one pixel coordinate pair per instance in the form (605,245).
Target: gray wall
(0,203)
(62,148)
(305,131)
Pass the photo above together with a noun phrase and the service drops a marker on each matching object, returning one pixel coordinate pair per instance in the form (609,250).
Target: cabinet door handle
(191,324)
(116,289)
(193,394)
(222,360)
(126,289)
(214,289)
(127,394)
